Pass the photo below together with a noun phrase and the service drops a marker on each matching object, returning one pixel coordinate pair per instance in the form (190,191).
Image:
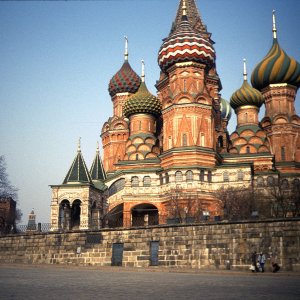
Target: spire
(183,8)
(245,70)
(274,25)
(97,170)
(78,172)
(126,48)
(79,145)
(192,14)
(143,71)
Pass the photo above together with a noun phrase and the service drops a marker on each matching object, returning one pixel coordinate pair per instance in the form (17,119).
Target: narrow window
(189,176)
(247,149)
(225,176)
(178,176)
(283,153)
(202,175)
(209,176)
(260,181)
(167,178)
(134,181)
(184,140)
(147,181)
(240,175)
(140,125)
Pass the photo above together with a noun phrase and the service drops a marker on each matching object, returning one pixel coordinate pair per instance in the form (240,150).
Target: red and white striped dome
(185,45)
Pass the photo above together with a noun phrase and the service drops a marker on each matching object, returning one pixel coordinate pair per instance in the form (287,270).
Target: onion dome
(143,101)
(276,67)
(185,44)
(125,80)
(225,109)
(246,94)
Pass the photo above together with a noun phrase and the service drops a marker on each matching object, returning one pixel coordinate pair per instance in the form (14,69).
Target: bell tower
(189,92)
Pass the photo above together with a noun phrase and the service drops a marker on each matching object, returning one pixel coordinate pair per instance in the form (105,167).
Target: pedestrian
(275,266)
(253,267)
(261,261)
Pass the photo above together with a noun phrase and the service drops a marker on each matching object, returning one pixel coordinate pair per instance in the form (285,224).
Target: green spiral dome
(142,102)
(276,67)
(246,95)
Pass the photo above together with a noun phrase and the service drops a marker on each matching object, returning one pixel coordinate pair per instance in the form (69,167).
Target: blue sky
(57,59)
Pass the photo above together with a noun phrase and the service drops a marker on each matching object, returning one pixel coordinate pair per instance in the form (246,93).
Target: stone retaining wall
(204,246)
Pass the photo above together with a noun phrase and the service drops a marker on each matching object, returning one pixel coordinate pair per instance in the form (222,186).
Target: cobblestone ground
(59,282)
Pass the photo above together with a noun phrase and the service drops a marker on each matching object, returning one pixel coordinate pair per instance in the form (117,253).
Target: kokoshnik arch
(174,148)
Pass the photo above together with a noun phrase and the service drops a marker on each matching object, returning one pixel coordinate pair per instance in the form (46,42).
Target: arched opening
(144,215)
(220,142)
(94,215)
(178,176)
(75,214)
(114,218)
(64,215)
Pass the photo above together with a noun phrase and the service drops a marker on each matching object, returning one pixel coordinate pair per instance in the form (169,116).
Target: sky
(57,57)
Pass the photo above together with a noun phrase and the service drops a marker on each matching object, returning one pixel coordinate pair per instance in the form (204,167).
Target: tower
(277,76)
(115,131)
(189,91)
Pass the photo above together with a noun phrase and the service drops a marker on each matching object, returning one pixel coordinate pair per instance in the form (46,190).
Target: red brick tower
(277,76)
(115,131)
(189,91)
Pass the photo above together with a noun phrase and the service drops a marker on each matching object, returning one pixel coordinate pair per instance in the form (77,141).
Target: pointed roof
(78,172)
(97,171)
(193,16)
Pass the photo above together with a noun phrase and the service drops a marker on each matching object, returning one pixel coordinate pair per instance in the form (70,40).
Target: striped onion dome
(246,95)
(125,80)
(142,102)
(225,109)
(276,67)
(184,45)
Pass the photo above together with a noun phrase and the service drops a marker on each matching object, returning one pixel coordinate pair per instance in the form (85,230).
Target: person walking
(261,260)
(254,262)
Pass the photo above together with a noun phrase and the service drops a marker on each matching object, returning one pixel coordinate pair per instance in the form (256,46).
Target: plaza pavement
(45,282)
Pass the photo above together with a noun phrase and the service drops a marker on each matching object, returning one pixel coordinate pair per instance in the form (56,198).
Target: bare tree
(185,206)
(7,190)
(240,203)
(9,214)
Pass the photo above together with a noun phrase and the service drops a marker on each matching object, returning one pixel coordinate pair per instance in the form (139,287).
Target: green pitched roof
(78,173)
(97,171)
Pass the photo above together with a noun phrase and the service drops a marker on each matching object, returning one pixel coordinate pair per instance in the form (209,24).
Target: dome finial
(79,145)
(126,47)
(274,25)
(183,8)
(245,70)
(143,71)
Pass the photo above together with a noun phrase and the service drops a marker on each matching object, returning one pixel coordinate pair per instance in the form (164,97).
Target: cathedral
(165,156)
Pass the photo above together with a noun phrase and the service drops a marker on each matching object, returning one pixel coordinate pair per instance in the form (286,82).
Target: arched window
(178,176)
(161,179)
(240,175)
(189,176)
(147,181)
(140,125)
(225,176)
(209,176)
(270,181)
(202,173)
(116,186)
(220,141)
(247,149)
(283,153)
(134,181)
(260,181)
(167,178)
(137,157)
(184,140)
(170,142)
(285,184)
(296,182)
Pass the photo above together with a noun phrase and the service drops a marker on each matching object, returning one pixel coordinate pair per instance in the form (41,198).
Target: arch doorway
(75,214)
(144,215)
